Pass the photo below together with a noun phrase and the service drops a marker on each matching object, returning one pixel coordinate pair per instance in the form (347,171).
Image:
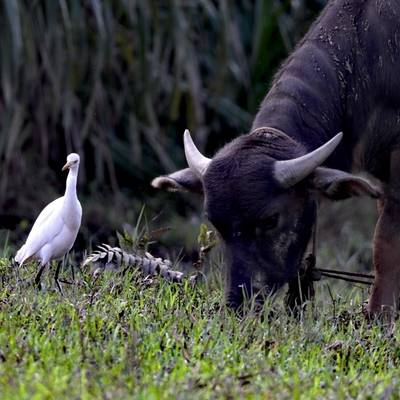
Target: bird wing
(47,225)
(45,214)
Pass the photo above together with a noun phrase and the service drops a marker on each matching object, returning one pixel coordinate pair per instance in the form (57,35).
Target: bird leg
(73,273)
(39,276)
(56,275)
(72,270)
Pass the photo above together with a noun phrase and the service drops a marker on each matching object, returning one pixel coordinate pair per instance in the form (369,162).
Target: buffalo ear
(338,185)
(183,181)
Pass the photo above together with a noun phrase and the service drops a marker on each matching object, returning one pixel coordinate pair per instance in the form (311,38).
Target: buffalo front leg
(386,288)
(385,292)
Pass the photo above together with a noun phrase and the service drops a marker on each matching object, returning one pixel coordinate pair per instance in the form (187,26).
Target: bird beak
(66,166)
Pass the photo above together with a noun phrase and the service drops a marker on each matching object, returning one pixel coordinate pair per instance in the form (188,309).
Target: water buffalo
(260,189)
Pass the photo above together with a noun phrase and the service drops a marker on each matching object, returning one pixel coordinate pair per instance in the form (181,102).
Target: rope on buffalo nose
(302,289)
(310,272)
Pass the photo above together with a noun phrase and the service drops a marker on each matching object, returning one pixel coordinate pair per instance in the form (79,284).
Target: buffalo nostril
(233,304)
(235,297)
(234,300)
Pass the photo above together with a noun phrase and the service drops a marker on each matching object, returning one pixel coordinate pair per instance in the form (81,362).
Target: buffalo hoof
(379,312)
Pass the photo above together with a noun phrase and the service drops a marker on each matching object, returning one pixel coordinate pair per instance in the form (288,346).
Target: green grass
(118,337)
(125,336)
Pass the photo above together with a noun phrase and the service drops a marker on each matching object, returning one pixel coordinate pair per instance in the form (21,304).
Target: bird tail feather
(21,257)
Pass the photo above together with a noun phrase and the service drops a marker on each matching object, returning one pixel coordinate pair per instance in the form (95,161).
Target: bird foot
(59,287)
(66,282)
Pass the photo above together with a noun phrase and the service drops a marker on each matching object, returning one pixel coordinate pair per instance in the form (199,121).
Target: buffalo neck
(309,98)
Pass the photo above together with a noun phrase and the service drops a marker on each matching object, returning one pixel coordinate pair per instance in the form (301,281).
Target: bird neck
(70,189)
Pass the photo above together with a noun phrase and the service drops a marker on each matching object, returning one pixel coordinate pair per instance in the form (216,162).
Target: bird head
(72,162)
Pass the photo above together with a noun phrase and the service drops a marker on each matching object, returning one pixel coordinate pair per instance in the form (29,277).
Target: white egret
(54,231)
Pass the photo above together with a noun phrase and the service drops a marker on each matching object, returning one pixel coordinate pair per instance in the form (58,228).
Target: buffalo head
(260,193)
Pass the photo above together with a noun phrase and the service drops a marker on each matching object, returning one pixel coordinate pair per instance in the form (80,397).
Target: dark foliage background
(118,82)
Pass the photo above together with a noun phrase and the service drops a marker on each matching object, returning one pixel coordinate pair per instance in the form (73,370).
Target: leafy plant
(118,81)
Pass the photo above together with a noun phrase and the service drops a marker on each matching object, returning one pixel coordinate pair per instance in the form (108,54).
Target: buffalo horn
(290,172)
(196,161)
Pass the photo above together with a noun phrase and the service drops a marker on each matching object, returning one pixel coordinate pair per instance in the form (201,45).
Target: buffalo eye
(267,224)
(271,222)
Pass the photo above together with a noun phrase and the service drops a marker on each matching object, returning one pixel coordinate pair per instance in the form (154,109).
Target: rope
(356,274)
(343,278)
(315,273)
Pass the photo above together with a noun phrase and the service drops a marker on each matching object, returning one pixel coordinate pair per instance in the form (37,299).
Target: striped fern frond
(114,257)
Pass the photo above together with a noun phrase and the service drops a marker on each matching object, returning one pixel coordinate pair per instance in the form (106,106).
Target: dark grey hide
(343,76)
